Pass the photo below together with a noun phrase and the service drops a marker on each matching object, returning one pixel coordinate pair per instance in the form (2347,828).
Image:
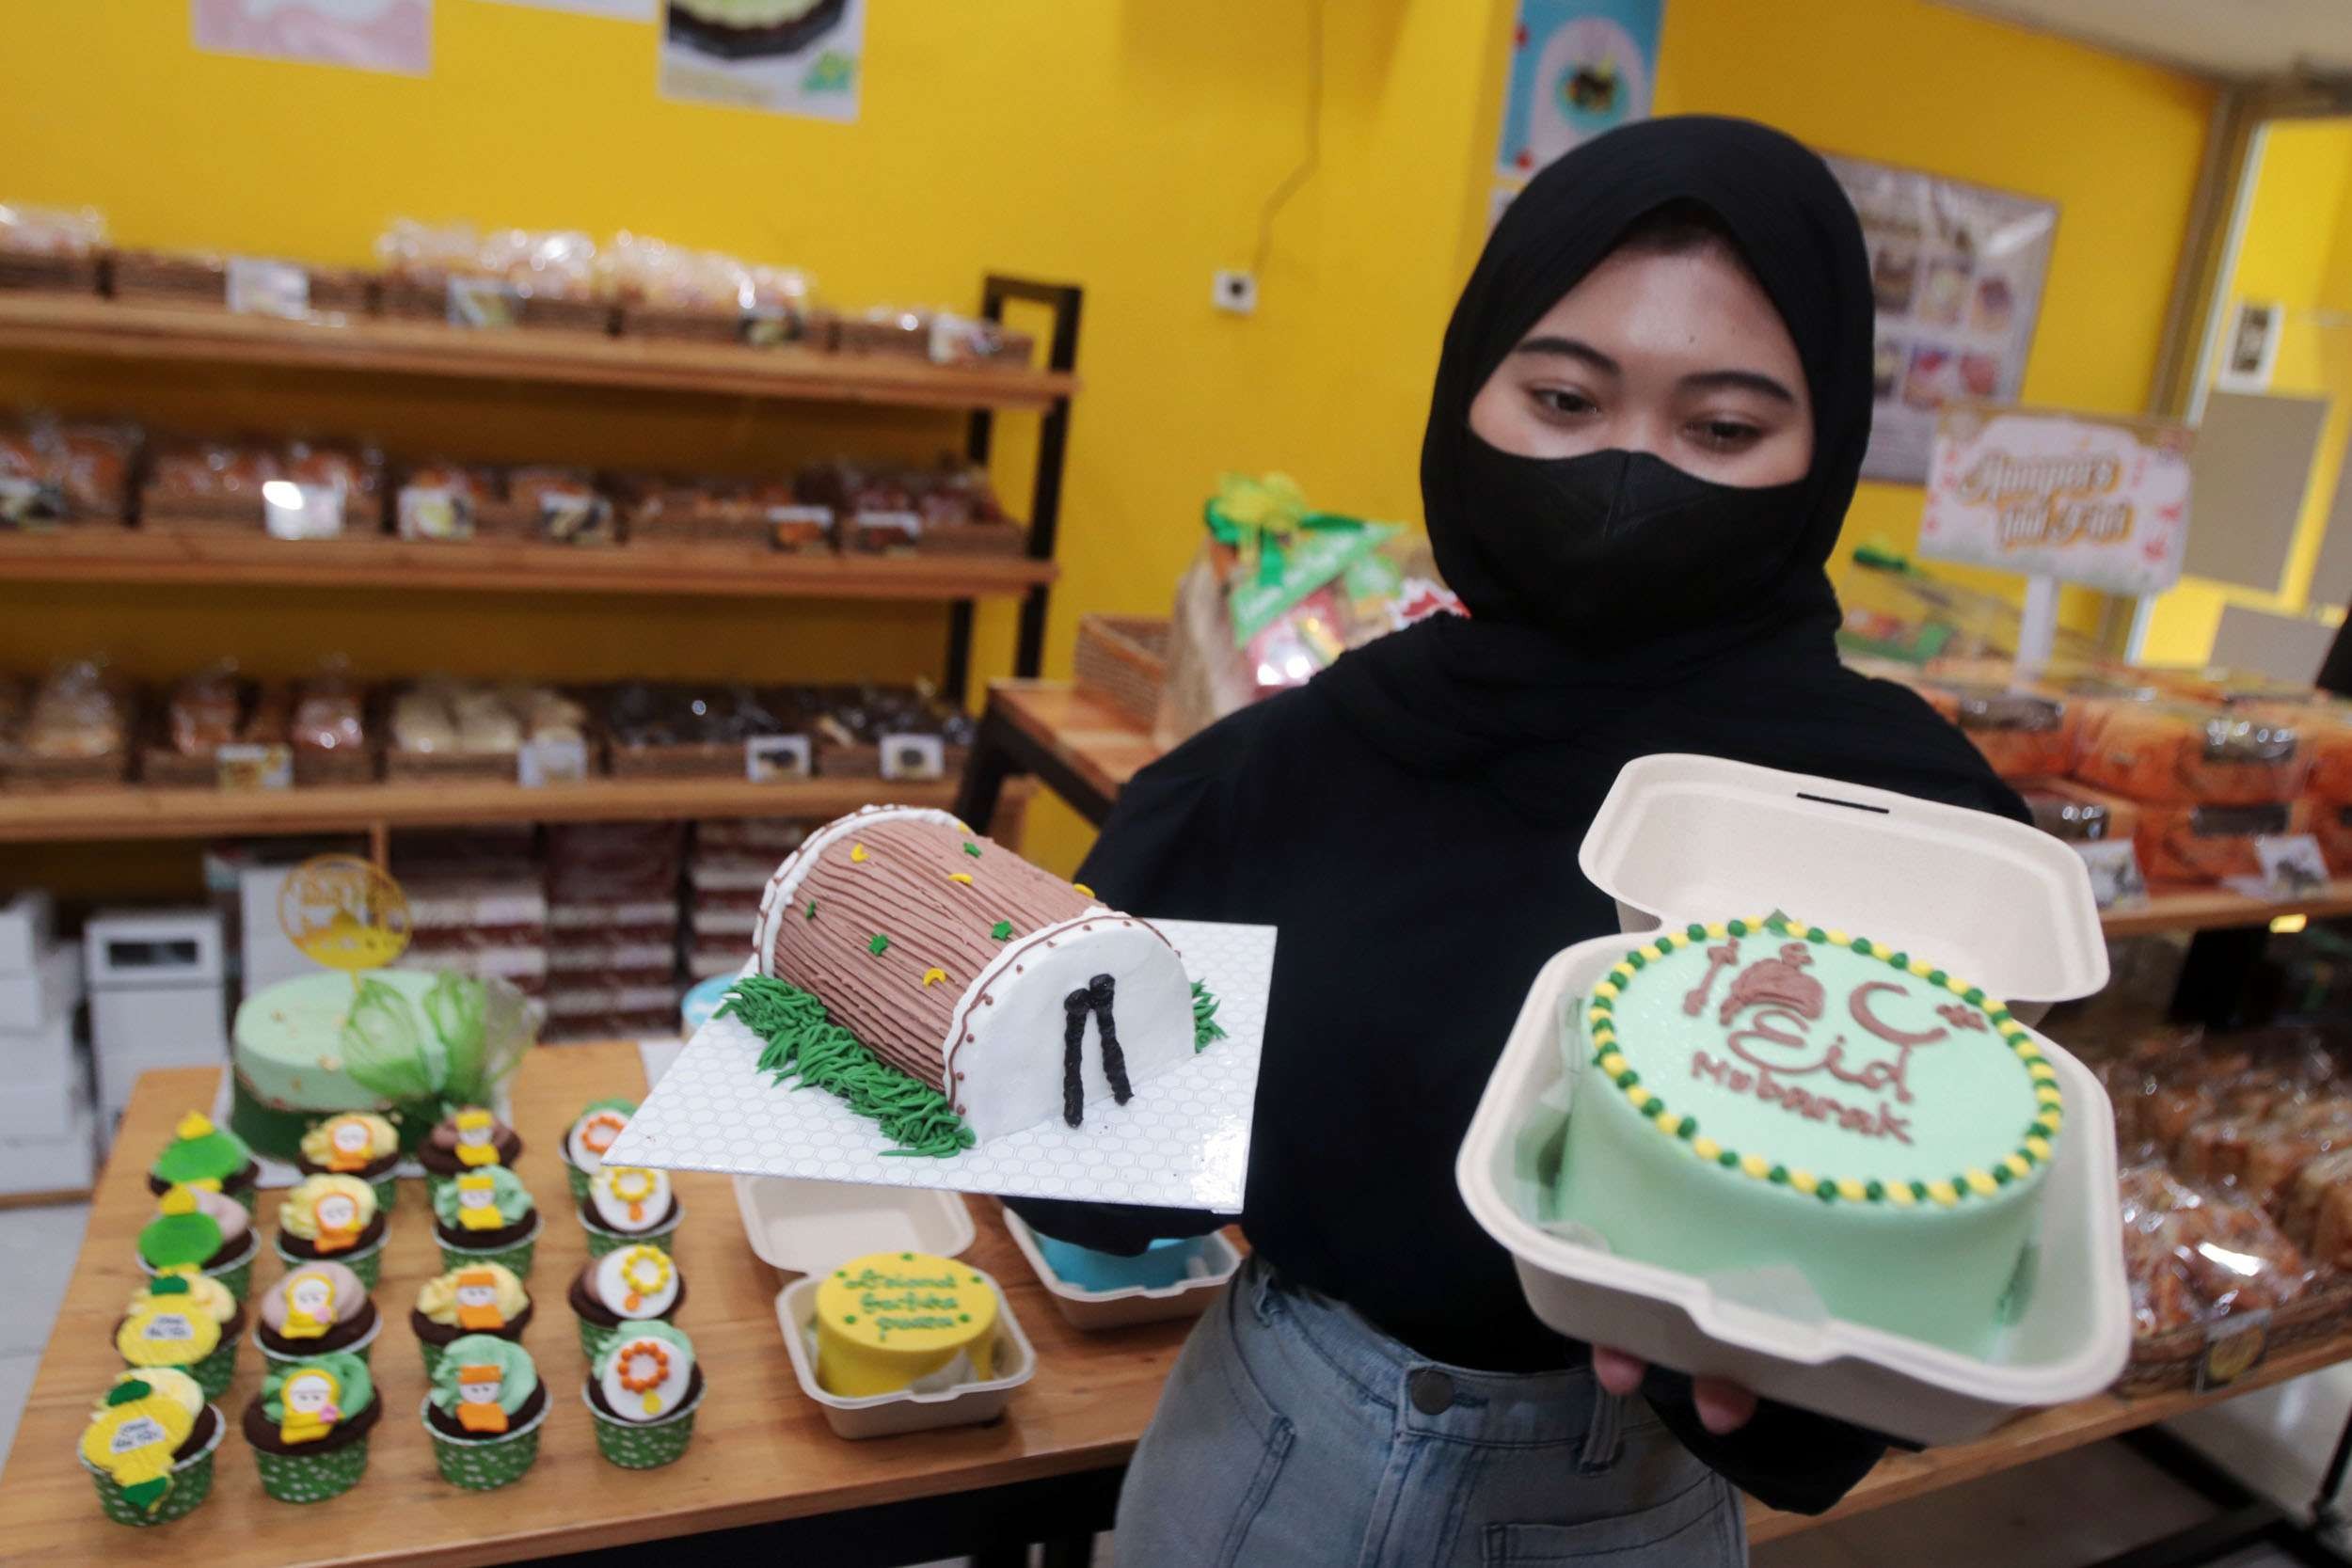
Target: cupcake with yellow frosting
(309,1427)
(184,1322)
(202,1155)
(642,1393)
(149,1445)
(199,1230)
(485,1216)
(315,1308)
(472,1298)
(354,1143)
(333,1219)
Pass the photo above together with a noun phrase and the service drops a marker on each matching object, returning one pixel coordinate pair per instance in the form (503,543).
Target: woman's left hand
(1724,1406)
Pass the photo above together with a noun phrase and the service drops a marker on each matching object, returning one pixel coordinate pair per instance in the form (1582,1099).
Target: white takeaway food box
(1683,838)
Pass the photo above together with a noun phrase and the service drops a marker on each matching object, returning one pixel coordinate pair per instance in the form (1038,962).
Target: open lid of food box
(1683,838)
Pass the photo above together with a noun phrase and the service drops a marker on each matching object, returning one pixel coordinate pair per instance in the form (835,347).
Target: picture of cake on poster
(922,1007)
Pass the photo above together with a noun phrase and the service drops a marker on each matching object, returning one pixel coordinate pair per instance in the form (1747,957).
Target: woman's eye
(1726,434)
(1558,400)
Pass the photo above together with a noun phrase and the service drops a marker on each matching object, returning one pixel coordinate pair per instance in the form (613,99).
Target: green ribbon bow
(469,1039)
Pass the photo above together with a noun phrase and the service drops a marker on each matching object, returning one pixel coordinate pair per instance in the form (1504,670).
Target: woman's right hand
(1724,1406)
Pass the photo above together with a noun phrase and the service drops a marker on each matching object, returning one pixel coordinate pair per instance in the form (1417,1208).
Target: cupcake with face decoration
(355,1143)
(466,1139)
(194,1228)
(149,1447)
(187,1323)
(485,1216)
(484,1412)
(629,1204)
(587,1138)
(624,1289)
(309,1427)
(475,1298)
(333,1218)
(642,1393)
(316,1308)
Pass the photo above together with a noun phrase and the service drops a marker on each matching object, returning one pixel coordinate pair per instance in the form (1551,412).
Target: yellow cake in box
(889,1320)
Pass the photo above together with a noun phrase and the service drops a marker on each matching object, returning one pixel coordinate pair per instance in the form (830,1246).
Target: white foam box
(66,1160)
(1089,1311)
(45,1076)
(31,997)
(1684,838)
(887,1414)
(27,920)
(808,1227)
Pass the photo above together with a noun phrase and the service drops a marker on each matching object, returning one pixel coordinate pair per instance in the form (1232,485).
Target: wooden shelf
(136,812)
(2199,909)
(146,334)
(138,555)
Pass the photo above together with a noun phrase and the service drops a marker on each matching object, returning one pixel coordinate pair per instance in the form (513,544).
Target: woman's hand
(1724,1406)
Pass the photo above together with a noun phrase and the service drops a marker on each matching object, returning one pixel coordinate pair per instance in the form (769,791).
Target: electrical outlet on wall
(1236,291)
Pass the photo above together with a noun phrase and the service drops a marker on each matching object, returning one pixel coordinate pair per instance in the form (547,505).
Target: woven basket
(2169,1360)
(1122,659)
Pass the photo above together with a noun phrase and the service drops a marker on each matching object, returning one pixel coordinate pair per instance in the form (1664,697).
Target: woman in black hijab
(1648,420)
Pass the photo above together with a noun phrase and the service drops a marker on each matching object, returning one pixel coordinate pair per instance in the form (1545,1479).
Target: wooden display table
(762,1455)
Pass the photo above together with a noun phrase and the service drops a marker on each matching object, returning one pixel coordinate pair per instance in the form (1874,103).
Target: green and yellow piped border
(2030,1153)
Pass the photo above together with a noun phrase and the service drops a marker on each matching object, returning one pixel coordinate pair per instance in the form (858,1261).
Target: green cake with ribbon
(1761,1094)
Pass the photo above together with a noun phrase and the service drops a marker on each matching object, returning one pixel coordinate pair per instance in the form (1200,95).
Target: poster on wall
(787,56)
(1957,272)
(365,35)
(2093,498)
(1577,68)
(619,10)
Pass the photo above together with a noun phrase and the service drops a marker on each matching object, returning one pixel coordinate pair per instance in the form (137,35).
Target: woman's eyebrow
(1737,381)
(1568,348)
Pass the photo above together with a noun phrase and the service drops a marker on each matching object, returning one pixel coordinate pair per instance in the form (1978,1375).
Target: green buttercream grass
(1206,1031)
(804,1043)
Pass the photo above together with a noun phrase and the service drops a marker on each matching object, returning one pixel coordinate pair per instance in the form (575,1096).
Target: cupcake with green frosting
(333,1219)
(642,1393)
(355,1143)
(184,1322)
(195,1229)
(309,1427)
(149,1445)
(202,1155)
(629,1204)
(475,1298)
(599,1122)
(485,1216)
(484,1412)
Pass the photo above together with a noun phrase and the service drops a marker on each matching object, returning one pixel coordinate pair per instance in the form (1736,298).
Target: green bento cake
(1761,1092)
(289,1057)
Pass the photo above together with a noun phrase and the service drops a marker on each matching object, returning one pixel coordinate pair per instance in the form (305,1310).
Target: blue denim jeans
(1293,1432)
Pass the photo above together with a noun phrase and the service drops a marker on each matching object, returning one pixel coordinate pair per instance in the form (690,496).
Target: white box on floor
(27,920)
(44,1075)
(157,995)
(29,998)
(64,1162)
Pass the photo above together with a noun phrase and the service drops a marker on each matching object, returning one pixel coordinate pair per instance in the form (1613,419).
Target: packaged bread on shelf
(448,729)
(2023,733)
(75,732)
(720,731)
(2213,843)
(898,733)
(656,510)
(298,490)
(2179,754)
(218,728)
(2195,1254)
(671,291)
(250,284)
(445,501)
(562,506)
(948,509)
(54,474)
(328,730)
(504,278)
(940,337)
(51,248)
(2076,813)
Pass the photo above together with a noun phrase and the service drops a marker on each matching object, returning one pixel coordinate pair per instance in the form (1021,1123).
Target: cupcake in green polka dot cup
(312,1311)
(187,1323)
(202,1155)
(642,1392)
(584,1142)
(484,1412)
(623,1290)
(149,1445)
(477,1298)
(199,1230)
(627,1205)
(309,1427)
(333,1219)
(1761,1093)
(355,1143)
(485,1216)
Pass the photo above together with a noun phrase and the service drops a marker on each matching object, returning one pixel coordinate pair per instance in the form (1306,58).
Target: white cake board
(1183,1142)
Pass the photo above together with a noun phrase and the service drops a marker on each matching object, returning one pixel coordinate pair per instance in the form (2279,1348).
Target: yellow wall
(2296,250)
(1125,145)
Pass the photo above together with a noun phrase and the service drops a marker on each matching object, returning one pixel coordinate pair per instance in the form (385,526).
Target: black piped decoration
(1094,997)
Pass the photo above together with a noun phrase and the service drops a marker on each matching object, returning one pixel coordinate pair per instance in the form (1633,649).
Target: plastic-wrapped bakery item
(724,731)
(77,731)
(258,285)
(2211,844)
(443,500)
(505,278)
(327,729)
(216,728)
(562,506)
(941,336)
(2023,733)
(2195,1255)
(898,733)
(53,474)
(722,511)
(207,483)
(2182,753)
(2219,683)
(52,248)
(2078,814)
(671,291)
(2316,1211)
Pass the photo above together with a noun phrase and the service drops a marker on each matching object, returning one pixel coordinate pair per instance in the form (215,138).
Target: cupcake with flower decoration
(642,1393)
(202,1155)
(622,1290)
(484,1412)
(149,1445)
(309,1427)
(466,1139)
(473,1298)
(333,1218)
(195,1229)
(629,1204)
(355,1143)
(584,1142)
(184,1322)
(316,1308)
(485,1216)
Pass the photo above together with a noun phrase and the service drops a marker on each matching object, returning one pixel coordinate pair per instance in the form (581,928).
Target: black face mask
(1619,547)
